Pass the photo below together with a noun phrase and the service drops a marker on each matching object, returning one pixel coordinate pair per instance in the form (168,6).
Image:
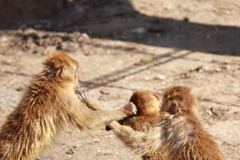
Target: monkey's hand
(111,125)
(131,109)
(83,96)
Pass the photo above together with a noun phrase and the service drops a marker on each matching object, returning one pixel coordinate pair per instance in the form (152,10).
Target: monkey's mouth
(173,109)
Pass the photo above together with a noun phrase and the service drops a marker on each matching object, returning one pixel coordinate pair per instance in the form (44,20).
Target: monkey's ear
(155,95)
(60,72)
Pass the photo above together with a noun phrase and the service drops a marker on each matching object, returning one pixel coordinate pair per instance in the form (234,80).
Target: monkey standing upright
(179,134)
(48,105)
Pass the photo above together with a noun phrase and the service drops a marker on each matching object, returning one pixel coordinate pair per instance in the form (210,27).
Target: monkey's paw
(110,125)
(131,108)
(83,96)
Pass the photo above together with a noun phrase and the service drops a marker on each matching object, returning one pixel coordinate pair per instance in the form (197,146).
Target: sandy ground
(123,46)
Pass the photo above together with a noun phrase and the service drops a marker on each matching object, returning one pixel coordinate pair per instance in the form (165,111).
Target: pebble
(161,77)
(139,30)
(201,77)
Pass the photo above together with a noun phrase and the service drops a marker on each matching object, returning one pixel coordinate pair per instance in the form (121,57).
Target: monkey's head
(178,100)
(60,67)
(146,101)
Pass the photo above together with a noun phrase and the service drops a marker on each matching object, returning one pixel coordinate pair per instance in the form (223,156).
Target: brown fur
(148,107)
(147,103)
(47,106)
(179,134)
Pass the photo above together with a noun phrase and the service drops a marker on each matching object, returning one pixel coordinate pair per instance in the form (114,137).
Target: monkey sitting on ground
(48,105)
(179,134)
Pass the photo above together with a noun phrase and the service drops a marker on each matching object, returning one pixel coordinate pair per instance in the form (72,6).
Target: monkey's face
(176,100)
(173,104)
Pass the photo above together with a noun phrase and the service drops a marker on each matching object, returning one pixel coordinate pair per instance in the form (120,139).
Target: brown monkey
(147,103)
(47,106)
(179,134)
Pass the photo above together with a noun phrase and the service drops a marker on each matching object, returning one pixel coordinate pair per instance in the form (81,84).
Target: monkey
(148,106)
(178,135)
(48,105)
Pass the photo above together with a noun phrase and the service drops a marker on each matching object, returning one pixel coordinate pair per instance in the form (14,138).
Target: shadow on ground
(118,20)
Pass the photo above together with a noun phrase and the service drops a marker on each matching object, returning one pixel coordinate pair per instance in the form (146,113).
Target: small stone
(70,151)
(200,77)
(65,44)
(161,77)
(104,92)
(146,78)
(21,88)
(4,39)
(139,30)
(88,53)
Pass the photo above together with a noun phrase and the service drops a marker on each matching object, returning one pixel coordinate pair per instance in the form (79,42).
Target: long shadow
(118,20)
(105,80)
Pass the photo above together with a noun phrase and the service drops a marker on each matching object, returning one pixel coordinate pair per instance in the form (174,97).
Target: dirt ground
(123,46)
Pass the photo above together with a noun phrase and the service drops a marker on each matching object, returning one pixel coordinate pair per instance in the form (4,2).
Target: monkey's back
(31,126)
(188,140)
(140,123)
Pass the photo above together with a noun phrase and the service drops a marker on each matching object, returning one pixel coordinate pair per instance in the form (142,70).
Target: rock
(161,77)
(139,30)
(70,151)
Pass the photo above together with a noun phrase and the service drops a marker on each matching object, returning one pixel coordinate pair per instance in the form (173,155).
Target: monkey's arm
(85,118)
(83,96)
(141,143)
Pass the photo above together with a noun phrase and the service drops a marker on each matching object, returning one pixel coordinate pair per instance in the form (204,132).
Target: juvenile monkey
(179,134)
(148,107)
(48,105)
